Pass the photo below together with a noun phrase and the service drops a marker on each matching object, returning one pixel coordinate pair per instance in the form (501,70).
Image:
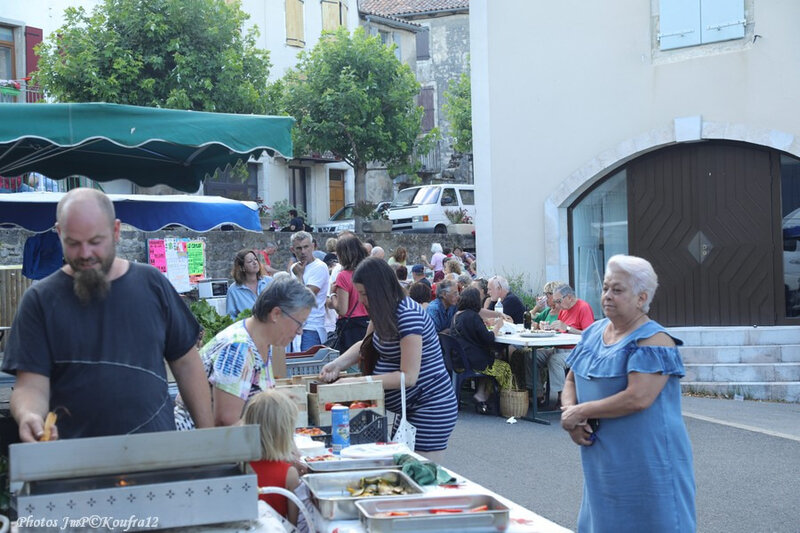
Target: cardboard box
(299,397)
(366,391)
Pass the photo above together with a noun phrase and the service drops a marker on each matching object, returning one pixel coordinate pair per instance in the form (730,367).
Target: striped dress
(431,403)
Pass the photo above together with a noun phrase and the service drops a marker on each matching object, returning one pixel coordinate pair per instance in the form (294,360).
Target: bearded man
(93,336)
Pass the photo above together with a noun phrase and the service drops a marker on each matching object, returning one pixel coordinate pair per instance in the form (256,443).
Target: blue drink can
(340,428)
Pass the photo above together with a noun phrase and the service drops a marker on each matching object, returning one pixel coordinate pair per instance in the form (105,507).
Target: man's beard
(92,284)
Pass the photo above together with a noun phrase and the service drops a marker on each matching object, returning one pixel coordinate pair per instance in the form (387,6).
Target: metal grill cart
(163,480)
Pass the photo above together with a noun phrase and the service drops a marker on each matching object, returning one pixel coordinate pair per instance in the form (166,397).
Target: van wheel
(441,228)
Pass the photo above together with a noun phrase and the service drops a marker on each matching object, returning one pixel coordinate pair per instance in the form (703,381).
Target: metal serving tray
(344,465)
(494,519)
(329,491)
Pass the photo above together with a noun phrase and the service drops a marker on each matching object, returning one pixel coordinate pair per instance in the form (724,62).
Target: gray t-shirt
(105,360)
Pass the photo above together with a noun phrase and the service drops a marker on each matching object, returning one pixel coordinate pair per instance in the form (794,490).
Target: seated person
(512,306)
(470,331)
(443,308)
(421,293)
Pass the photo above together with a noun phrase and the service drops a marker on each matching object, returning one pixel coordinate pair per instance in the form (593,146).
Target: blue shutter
(679,23)
(722,20)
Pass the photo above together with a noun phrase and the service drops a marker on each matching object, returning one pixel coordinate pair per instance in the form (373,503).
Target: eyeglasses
(557,301)
(300,325)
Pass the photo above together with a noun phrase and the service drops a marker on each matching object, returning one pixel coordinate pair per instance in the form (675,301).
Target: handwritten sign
(182,260)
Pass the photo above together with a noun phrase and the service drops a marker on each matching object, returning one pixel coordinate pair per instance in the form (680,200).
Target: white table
(520,519)
(515,339)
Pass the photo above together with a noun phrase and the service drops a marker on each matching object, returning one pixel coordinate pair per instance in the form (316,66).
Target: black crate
(366,427)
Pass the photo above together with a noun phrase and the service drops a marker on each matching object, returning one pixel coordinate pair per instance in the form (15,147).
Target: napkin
(423,473)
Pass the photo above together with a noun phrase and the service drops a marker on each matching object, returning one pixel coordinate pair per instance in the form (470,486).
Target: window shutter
(33,36)
(425,101)
(330,15)
(423,44)
(679,23)
(397,52)
(343,13)
(294,23)
(722,20)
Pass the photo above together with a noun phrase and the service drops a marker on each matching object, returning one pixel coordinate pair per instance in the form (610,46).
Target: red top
(579,316)
(266,257)
(345,282)
(272,474)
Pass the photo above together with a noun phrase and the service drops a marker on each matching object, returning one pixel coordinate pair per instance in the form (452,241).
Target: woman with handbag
(353,319)
(404,341)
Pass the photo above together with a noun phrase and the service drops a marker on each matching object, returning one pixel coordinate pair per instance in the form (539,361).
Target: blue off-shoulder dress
(638,474)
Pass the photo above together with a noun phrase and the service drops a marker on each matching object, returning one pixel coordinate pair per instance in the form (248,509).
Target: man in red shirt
(574,316)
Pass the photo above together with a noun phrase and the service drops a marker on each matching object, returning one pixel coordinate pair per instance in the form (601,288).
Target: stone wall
(223,245)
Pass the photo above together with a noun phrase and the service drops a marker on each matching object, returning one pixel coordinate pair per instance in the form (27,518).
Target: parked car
(343,219)
(422,209)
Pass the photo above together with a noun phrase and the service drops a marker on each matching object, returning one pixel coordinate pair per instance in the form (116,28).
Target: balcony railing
(25,94)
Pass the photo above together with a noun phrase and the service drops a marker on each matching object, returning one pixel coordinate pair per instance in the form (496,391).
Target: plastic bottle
(499,306)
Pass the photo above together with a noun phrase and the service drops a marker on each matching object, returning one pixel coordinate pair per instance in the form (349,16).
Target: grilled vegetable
(49,422)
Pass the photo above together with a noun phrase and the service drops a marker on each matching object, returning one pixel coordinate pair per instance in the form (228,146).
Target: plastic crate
(310,361)
(365,427)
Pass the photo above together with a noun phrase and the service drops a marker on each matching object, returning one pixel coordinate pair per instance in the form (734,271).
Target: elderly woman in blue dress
(622,405)
(250,280)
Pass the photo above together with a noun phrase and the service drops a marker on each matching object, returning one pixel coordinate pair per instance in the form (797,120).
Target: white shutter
(722,20)
(679,23)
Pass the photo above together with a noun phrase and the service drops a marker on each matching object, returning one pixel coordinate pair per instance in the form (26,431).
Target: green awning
(145,145)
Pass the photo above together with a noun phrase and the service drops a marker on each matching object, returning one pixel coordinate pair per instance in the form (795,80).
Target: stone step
(728,354)
(743,372)
(736,335)
(787,391)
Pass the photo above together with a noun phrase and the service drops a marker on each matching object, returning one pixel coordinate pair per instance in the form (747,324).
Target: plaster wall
(565,92)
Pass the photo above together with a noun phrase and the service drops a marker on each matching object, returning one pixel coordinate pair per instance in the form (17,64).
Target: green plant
(521,285)
(212,322)
(458,216)
(280,212)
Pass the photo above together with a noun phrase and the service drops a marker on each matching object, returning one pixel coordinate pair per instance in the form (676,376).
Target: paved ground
(746,454)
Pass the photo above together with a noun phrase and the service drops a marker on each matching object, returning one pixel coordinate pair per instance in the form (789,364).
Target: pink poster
(158,254)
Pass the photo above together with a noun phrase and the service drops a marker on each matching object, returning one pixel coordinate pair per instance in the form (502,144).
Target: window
(449,197)
(294,23)
(467,197)
(297,187)
(424,44)
(7,70)
(790,214)
(692,22)
(334,14)
(599,225)
(425,101)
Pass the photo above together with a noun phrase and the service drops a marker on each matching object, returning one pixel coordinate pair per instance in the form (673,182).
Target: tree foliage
(180,54)
(458,107)
(351,96)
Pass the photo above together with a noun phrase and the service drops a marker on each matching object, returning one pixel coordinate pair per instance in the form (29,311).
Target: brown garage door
(703,215)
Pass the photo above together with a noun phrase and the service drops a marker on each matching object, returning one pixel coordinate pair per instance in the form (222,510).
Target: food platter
(537,334)
(338,464)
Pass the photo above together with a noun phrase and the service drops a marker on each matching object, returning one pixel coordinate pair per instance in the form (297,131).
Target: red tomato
(329,405)
(359,405)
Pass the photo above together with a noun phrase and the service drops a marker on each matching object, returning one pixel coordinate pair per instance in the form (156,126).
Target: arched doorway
(711,219)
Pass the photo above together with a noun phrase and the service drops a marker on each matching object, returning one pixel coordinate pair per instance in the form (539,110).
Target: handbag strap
(403,395)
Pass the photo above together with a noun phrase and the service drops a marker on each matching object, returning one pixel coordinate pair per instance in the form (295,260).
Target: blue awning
(36,211)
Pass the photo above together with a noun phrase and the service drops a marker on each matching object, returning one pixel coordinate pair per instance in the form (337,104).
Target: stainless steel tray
(329,491)
(421,518)
(344,465)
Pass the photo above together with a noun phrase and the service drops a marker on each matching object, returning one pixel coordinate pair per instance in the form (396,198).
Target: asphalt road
(746,456)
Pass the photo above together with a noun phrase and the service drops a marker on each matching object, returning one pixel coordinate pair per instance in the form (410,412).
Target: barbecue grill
(137,482)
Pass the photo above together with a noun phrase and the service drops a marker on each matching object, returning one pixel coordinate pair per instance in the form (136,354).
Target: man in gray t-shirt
(92,337)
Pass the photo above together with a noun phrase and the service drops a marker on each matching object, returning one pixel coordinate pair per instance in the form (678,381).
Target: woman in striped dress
(405,340)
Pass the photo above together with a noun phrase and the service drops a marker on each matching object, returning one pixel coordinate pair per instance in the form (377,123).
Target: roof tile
(409,7)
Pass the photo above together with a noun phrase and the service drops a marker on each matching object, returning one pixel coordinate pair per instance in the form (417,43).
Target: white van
(422,209)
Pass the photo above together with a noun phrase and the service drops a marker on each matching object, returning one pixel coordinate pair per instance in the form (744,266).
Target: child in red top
(275,413)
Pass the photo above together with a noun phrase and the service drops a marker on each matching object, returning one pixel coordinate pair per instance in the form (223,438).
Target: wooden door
(336,190)
(702,214)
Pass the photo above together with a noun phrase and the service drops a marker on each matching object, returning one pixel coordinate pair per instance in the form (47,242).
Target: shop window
(7,70)
(295,35)
(599,226)
(693,22)
(790,224)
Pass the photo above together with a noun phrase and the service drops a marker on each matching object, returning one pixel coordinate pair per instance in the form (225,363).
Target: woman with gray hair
(622,405)
(238,360)
(437,261)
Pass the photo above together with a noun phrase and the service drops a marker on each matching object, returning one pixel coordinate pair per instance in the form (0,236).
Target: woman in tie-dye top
(238,360)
